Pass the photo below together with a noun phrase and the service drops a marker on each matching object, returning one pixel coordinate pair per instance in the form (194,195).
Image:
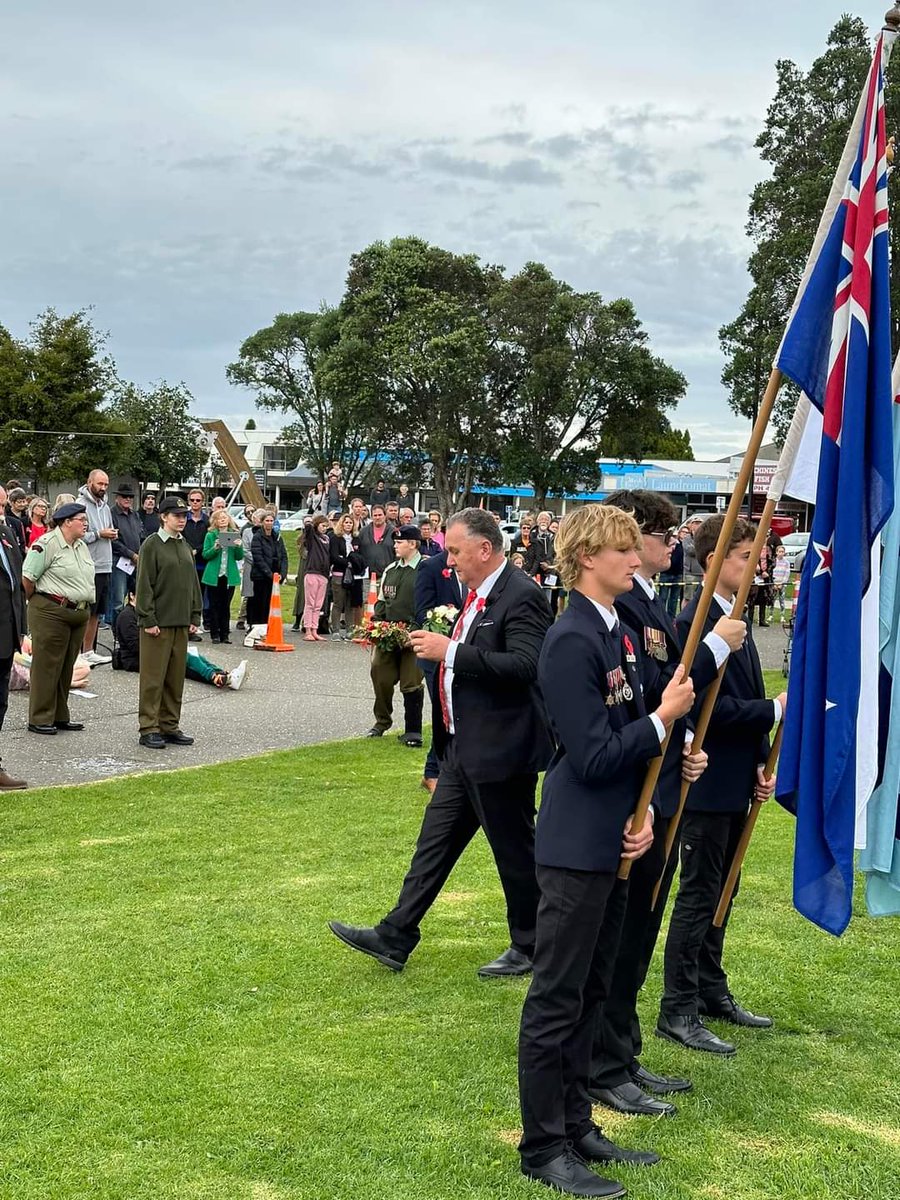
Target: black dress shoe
(410,739)
(368,942)
(628,1098)
(177,738)
(153,741)
(729,1010)
(567,1173)
(658,1085)
(690,1032)
(41,728)
(70,726)
(375,732)
(594,1147)
(510,962)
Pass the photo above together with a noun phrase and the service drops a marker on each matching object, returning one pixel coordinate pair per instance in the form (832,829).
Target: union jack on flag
(837,349)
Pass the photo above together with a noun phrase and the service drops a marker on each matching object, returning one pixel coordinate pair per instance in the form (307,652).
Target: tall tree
(329,421)
(581,377)
(57,381)
(805,132)
(415,342)
(165,445)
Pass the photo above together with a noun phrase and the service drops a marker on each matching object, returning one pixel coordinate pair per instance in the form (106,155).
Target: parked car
(236,512)
(795,545)
(293,521)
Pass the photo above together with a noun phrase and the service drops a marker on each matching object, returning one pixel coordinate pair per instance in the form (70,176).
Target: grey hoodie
(99,517)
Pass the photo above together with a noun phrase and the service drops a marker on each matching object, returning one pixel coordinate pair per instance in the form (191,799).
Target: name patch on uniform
(655,643)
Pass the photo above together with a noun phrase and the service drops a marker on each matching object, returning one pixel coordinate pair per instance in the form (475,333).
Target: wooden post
(746,835)
(712,692)
(742,482)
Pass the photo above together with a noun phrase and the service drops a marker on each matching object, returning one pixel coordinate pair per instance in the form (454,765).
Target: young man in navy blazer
(604,738)
(618,1078)
(738,745)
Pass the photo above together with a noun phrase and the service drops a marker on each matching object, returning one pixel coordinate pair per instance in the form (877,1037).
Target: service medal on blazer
(655,643)
(617,684)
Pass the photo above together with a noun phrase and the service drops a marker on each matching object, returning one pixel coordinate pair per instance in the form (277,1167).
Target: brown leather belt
(63,602)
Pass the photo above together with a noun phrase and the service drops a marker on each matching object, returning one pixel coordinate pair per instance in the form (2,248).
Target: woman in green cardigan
(221,574)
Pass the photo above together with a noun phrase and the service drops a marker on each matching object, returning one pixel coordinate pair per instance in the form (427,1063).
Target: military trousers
(56,637)
(163,663)
(390,667)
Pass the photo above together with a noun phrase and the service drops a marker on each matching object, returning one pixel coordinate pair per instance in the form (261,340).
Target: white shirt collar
(484,588)
(727,606)
(648,587)
(606,613)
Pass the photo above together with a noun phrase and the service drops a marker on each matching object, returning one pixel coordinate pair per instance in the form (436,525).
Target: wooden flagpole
(742,483)
(746,834)
(712,692)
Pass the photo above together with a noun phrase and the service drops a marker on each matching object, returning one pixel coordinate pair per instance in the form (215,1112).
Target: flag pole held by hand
(746,835)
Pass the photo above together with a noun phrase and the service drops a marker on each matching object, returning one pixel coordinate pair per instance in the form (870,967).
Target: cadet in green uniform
(169,606)
(58,578)
(396,602)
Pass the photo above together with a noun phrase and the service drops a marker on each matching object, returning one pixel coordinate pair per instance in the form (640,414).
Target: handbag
(347,577)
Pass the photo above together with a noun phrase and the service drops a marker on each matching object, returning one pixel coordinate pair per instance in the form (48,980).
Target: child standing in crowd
(781,577)
(315,580)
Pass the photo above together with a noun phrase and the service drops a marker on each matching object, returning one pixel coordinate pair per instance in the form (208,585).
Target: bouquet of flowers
(389,635)
(440,619)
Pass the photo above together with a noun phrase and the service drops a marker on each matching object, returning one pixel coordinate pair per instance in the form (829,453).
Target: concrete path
(321,692)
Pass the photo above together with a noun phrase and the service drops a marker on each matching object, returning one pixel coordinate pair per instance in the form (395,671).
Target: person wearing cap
(169,608)
(12,622)
(693,569)
(149,516)
(58,578)
(125,548)
(397,602)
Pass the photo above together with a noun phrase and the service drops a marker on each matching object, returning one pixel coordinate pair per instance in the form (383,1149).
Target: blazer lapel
(492,597)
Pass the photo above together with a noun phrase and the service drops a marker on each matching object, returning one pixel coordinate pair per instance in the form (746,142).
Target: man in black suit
(738,745)
(618,1078)
(437,584)
(12,623)
(605,738)
(493,741)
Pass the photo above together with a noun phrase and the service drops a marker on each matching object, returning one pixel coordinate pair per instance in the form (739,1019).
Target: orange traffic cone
(372,597)
(274,639)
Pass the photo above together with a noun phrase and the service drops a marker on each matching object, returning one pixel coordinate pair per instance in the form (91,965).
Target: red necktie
(454,637)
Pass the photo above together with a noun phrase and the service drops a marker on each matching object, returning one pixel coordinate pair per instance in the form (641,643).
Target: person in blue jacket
(589,680)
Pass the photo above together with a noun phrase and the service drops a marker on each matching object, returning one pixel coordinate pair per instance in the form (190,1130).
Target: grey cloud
(519,170)
(732,144)
(513,138)
(564,145)
(685,181)
(208,162)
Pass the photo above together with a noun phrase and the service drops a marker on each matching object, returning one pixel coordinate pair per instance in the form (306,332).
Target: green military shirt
(58,569)
(397,593)
(167,588)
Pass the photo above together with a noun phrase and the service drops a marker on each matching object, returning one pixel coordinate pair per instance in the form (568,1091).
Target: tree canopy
(804,135)
(166,445)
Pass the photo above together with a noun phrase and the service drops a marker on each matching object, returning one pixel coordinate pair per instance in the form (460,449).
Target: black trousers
(5,670)
(693,962)
(578,926)
(258,603)
(430,671)
(457,808)
(220,607)
(617,1038)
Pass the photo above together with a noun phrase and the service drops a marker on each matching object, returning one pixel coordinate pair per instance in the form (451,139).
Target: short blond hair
(589,530)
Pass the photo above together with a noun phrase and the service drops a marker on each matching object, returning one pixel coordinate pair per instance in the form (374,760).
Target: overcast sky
(192,169)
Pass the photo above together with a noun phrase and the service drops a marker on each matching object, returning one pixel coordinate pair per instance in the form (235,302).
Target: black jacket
(501,729)
(657,658)
(340,559)
(540,551)
(436,585)
(131,533)
(268,555)
(194,533)
(149,523)
(602,749)
(17,527)
(128,638)
(12,598)
(318,552)
(378,555)
(738,737)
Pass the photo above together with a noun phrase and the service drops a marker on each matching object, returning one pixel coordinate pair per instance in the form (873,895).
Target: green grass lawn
(177,1021)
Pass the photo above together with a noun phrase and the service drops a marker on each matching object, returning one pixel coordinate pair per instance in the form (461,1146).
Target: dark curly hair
(653,511)
(707,536)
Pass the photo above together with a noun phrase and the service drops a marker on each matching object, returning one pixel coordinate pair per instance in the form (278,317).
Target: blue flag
(837,349)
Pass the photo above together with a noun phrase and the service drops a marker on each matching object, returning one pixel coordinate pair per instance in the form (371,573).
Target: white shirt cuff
(689,738)
(778,714)
(450,654)
(659,727)
(719,647)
